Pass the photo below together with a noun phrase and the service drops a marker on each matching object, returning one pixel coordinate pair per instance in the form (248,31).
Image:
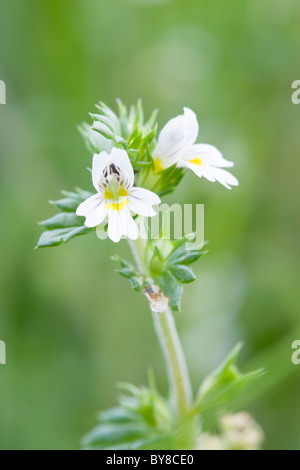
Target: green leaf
(110,114)
(150,136)
(136,278)
(142,419)
(117,415)
(67,204)
(162,443)
(183,273)
(127,272)
(172,289)
(64,219)
(137,283)
(185,257)
(134,136)
(58,236)
(104,120)
(225,383)
(123,262)
(103,130)
(65,226)
(110,433)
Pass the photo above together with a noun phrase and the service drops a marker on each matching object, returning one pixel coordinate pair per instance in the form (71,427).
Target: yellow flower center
(123,192)
(115,195)
(158,166)
(196,161)
(108,194)
(117,206)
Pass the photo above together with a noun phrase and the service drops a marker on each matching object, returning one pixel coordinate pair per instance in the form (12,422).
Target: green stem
(179,381)
(180,387)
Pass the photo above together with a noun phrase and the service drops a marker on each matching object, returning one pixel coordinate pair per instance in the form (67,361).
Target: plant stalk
(179,381)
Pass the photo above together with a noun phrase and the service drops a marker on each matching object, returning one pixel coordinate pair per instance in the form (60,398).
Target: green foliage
(166,181)
(170,266)
(225,383)
(143,420)
(137,279)
(167,266)
(128,129)
(66,225)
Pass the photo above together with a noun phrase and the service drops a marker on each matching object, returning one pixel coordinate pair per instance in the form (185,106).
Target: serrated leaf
(172,289)
(161,443)
(141,165)
(66,205)
(123,262)
(186,257)
(149,137)
(94,141)
(110,114)
(58,236)
(221,387)
(143,420)
(104,120)
(136,283)
(64,219)
(183,273)
(103,130)
(117,415)
(135,133)
(122,108)
(65,226)
(110,433)
(127,272)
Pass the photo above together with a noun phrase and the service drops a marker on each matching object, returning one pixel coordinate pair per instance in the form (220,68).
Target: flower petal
(199,170)
(88,205)
(132,228)
(224,177)
(145,195)
(120,158)
(171,142)
(121,223)
(141,201)
(208,154)
(114,226)
(100,161)
(93,209)
(141,208)
(191,126)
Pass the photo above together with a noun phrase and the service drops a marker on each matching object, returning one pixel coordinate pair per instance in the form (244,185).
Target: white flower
(116,198)
(176,145)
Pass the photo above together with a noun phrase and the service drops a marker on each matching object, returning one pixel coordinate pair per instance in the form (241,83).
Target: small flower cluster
(238,432)
(132,170)
(128,151)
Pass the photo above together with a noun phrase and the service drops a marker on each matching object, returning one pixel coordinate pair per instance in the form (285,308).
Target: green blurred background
(72,326)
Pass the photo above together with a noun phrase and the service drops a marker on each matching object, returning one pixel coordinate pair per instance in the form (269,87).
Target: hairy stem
(180,388)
